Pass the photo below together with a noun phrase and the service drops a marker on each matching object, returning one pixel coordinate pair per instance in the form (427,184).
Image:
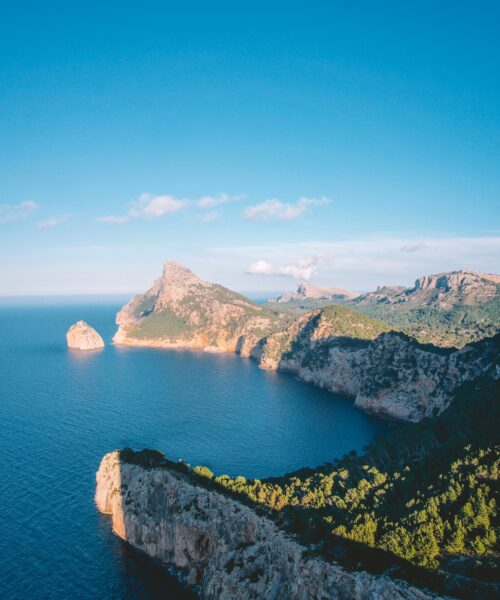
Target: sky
(353,144)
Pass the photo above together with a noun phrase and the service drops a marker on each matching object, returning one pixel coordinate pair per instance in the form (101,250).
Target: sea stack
(82,336)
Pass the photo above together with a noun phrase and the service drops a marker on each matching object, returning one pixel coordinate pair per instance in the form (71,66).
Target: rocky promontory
(82,336)
(220,546)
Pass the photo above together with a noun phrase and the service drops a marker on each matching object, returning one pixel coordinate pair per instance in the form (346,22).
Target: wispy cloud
(147,206)
(303,268)
(218,199)
(52,221)
(208,217)
(16,212)
(364,263)
(275,209)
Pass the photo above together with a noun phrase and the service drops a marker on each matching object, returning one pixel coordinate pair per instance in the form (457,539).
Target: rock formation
(222,547)
(308,291)
(442,290)
(82,336)
(182,310)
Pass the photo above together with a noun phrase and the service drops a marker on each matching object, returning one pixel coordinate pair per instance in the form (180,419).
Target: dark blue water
(61,410)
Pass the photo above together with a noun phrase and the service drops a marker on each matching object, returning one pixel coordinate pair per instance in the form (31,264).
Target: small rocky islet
(81,336)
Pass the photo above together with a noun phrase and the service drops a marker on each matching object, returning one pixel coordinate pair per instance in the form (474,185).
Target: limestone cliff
(387,373)
(182,310)
(82,336)
(222,547)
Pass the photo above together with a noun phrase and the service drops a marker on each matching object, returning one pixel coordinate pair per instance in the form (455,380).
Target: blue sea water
(61,410)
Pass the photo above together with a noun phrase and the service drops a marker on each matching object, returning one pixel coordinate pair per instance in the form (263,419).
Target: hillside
(448,309)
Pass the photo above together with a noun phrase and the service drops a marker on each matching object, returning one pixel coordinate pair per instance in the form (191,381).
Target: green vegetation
(426,492)
(164,323)
(457,326)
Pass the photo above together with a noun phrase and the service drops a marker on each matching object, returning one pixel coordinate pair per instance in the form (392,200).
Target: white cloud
(52,221)
(15,212)
(275,209)
(361,264)
(148,207)
(218,199)
(303,268)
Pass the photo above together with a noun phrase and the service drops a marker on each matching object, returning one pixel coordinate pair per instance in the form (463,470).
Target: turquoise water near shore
(61,410)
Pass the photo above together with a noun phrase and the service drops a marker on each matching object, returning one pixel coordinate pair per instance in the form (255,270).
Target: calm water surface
(61,410)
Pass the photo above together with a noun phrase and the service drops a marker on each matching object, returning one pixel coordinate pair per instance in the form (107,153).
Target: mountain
(308,291)
(447,309)
(443,290)
(182,310)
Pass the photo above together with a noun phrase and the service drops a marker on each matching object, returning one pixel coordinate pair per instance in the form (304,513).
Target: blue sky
(352,143)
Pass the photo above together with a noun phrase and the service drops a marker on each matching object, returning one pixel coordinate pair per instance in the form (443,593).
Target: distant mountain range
(447,309)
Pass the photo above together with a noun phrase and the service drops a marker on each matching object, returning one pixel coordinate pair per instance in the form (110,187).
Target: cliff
(220,546)
(442,290)
(182,310)
(387,373)
(82,336)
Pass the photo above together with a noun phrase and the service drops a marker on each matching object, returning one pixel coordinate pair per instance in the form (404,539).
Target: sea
(61,410)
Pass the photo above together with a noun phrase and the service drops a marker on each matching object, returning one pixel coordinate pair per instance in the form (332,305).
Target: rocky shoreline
(219,546)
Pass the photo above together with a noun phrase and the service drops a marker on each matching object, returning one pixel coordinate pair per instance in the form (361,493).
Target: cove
(61,410)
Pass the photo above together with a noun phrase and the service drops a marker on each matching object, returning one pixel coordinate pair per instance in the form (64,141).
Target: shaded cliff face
(220,546)
(182,310)
(388,373)
(82,336)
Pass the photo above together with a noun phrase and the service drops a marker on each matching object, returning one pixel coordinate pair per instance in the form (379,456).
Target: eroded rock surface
(82,336)
(221,546)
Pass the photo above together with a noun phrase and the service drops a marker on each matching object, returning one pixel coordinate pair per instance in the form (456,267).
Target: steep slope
(182,310)
(224,548)
(388,373)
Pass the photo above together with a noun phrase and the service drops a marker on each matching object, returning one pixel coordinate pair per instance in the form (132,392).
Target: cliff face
(220,546)
(81,336)
(388,373)
(182,310)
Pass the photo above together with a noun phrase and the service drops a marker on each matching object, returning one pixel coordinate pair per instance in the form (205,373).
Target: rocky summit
(182,310)
(442,290)
(82,336)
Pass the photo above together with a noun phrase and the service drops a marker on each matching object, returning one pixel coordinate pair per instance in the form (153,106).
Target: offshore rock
(222,547)
(82,336)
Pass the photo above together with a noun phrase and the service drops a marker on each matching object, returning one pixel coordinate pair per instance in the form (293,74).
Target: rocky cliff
(387,373)
(220,546)
(442,290)
(82,336)
(182,310)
